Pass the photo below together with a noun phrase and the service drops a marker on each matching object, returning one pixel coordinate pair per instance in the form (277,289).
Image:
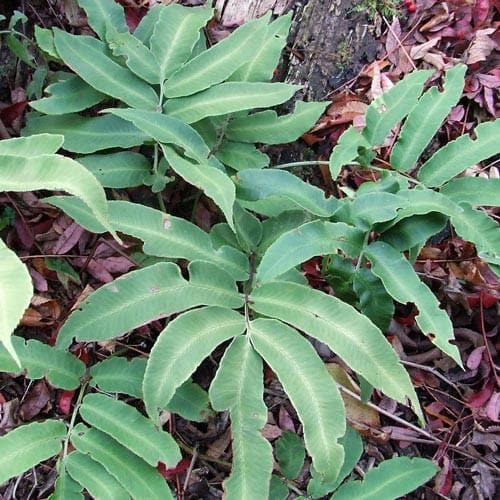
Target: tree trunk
(329,42)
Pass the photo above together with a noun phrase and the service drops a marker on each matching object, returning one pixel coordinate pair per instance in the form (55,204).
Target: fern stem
(73,417)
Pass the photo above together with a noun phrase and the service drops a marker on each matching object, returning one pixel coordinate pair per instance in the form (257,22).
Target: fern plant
(241,291)
(162,87)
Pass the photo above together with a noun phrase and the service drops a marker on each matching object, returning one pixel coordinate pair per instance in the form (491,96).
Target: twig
(190,468)
(405,52)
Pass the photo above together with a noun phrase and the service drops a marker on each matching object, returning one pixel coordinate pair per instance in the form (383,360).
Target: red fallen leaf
(480,11)
(486,299)
(444,478)
(64,399)
(10,113)
(478,399)
(82,354)
(132,18)
(169,473)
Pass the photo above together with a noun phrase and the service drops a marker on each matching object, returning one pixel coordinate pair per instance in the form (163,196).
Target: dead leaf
(482,46)
(35,401)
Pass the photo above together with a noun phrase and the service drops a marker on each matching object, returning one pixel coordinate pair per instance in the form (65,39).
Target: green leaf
(117,170)
(239,387)
(62,369)
(68,96)
(248,229)
(138,478)
(146,26)
(167,130)
(214,183)
(351,335)
(353,449)
(117,418)
(414,230)
(390,480)
(240,156)
(163,235)
(432,108)
(138,58)
(391,107)
(181,347)
(278,490)
(16,291)
(346,150)
(101,13)
(190,401)
(311,239)
(260,66)
(217,63)
(374,301)
(87,135)
(66,488)
(175,34)
(92,476)
(35,145)
(58,173)
(310,388)
(141,296)
(255,184)
(474,225)
(87,57)
(117,374)
(28,445)
(20,49)
(290,453)
(269,128)
(403,284)
(476,191)
(229,97)
(460,154)
(45,41)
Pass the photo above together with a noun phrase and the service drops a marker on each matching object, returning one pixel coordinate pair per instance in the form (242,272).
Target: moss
(387,8)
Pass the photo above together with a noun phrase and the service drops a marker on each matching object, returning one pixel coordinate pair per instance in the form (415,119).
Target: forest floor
(462,407)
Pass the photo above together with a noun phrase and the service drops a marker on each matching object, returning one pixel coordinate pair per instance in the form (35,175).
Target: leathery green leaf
(240,156)
(38,360)
(229,97)
(256,184)
(138,57)
(87,135)
(310,388)
(175,34)
(392,106)
(476,191)
(265,58)
(140,296)
(238,387)
(163,235)
(117,418)
(28,445)
(474,225)
(138,478)
(34,145)
(181,347)
(66,488)
(57,173)
(269,128)
(214,183)
(403,284)
(290,454)
(68,96)
(92,476)
(391,479)
(306,241)
(117,170)
(460,154)
(16,291)
(431,109)
(101,13)
(166,129)
(346,150)
(86,56)
(217,63)
(146,26)
(348,333)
